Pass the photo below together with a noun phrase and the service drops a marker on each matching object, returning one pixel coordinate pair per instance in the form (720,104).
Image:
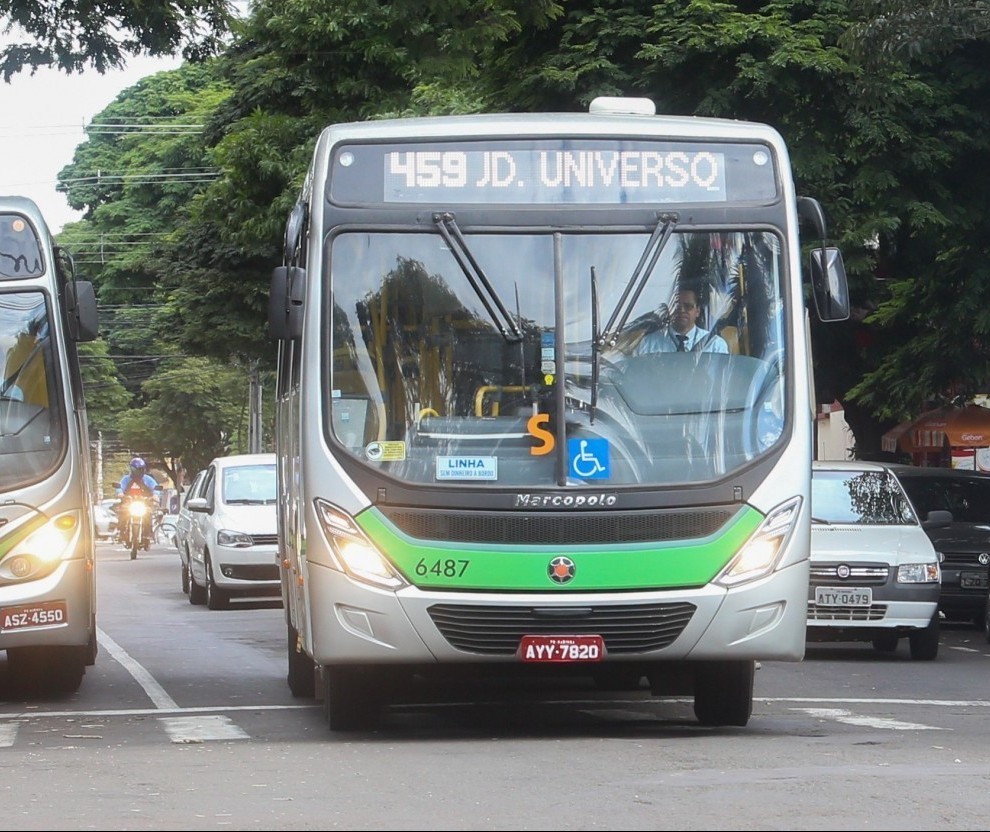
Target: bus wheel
(351,697)
(46,670)
(302,671)
(723,692)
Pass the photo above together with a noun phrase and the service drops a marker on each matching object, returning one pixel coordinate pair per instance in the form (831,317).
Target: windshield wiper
(595,349)
(447,226)
(640,276)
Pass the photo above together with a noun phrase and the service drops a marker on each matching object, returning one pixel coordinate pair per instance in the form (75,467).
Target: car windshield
(249,485)
(968,498)
(864,498)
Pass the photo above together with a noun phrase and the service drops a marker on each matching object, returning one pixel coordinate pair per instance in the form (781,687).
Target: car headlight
(39,552)
(236,540)
(759,555)
(354,553)
(918,573)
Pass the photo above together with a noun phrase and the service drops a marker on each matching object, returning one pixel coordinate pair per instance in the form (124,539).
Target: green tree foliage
(196,410)
(898,30)
(105,395)
(900,174)
(72,36)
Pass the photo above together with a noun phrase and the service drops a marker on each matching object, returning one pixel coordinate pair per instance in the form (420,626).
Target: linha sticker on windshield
(467,468)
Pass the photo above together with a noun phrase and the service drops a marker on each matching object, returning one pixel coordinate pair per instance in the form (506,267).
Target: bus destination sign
(553,171)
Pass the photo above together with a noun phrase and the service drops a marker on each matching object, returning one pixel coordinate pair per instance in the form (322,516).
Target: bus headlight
(759,555)
(42,550)
(354,553)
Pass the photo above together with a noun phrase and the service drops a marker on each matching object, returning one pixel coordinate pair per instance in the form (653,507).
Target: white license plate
(843,596)
(582,648)
(29,616)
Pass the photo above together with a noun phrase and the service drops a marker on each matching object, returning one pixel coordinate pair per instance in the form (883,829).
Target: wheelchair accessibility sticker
(587,459)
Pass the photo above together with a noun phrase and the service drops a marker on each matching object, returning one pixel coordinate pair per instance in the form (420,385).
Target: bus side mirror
(81,314)
(828,284)
(285,302)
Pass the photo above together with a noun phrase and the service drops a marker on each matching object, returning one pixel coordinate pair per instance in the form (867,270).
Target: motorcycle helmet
(138,466)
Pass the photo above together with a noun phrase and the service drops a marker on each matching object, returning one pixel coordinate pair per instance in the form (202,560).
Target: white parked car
(105,522)
(183,528)
(874,572)
(234,536)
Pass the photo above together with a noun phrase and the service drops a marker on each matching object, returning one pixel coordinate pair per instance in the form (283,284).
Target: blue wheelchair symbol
(588,458)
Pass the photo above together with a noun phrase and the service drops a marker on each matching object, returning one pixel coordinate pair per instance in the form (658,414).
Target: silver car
(235,535)
(183,528)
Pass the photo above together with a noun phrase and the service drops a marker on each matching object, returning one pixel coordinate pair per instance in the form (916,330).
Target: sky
(43,119)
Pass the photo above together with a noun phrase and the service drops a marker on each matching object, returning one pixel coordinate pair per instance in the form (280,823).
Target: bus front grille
(496,630)
(558,528)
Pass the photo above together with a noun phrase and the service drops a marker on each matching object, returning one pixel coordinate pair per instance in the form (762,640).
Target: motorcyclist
(136,484)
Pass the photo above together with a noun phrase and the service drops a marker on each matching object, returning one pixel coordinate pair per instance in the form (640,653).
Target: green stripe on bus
(598,567)
(11,539)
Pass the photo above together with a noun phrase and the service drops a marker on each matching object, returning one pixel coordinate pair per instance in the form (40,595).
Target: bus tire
(723,692)
(302,671)
(351,698)
(41,671)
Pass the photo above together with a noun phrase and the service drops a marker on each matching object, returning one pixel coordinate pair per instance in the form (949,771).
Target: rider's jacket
(130,487)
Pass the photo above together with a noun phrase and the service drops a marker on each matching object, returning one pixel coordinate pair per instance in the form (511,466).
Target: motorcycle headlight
(137,509)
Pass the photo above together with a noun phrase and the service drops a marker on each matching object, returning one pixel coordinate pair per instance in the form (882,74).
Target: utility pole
(254,422)
(99,465)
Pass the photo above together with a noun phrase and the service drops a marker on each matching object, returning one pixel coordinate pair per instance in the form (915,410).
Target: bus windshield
(638,364)
(31,441)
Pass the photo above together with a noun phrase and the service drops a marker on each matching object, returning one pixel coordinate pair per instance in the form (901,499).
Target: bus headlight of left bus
(759,555)
(40,551)
(354,554)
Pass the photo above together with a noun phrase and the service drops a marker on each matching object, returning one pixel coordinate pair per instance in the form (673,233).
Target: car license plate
(562,648)
(843,596)
(972,580)
(27,616)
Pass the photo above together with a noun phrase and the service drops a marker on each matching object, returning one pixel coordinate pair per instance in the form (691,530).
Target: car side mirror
(197,504)
(938,519)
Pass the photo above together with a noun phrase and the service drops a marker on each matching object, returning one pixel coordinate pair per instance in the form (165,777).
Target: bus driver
(682,334)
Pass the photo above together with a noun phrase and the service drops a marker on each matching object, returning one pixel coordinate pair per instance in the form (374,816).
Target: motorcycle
(138,513)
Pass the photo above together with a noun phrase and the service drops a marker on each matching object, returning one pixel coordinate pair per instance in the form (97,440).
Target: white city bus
(47,542)
(482,469)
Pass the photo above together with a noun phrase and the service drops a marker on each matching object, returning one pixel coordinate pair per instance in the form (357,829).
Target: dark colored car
(963,545)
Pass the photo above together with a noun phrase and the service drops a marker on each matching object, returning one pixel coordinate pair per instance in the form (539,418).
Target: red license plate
(561,649)
(28,616)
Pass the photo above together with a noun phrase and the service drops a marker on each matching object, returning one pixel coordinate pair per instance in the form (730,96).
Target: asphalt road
(186,722)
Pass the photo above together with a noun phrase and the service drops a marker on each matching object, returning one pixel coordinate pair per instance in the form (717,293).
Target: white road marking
(156,693)
(849,718)
(189,729)
(8,733)
(154,711)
